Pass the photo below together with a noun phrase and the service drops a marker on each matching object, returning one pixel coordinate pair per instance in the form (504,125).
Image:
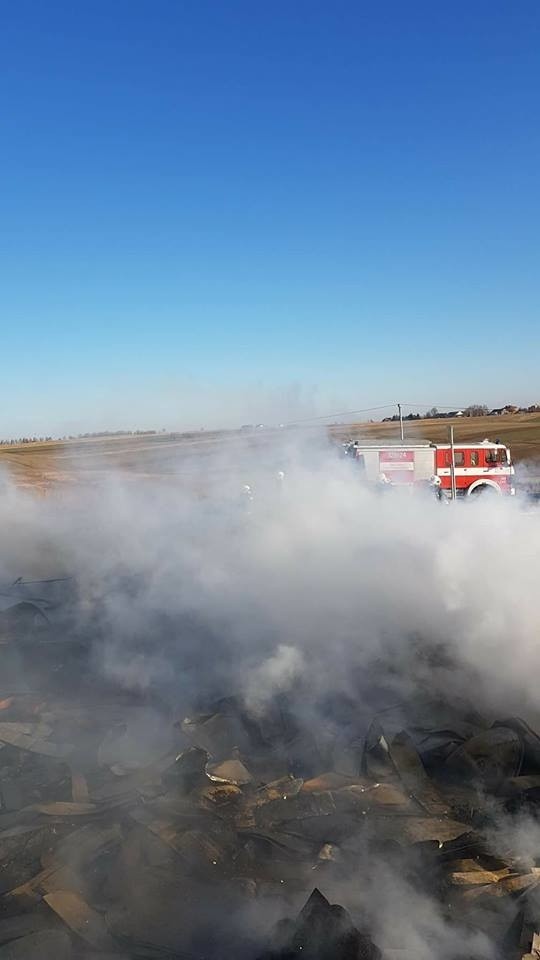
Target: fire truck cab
(478,467)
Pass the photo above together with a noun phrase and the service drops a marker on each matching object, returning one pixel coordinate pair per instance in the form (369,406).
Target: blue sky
(218,213)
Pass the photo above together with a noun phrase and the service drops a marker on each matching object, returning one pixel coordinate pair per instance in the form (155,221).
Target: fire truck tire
(483,488)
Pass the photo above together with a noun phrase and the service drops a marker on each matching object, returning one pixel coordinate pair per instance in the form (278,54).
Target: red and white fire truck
(477,467)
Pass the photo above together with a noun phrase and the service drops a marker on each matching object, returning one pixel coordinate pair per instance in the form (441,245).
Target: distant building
(503,411)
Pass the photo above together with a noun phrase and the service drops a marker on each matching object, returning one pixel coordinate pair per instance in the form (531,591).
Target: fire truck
(478,468)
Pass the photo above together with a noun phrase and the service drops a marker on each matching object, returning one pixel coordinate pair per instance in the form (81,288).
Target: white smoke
(306,590)
(317,576)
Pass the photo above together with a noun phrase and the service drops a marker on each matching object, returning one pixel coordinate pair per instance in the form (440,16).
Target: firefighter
(436,486)
(279,486)
(383,482)
(247,494)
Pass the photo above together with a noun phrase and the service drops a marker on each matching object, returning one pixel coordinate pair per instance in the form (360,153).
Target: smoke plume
(315,591)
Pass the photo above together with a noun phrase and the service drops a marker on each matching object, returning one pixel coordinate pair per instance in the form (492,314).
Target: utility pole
(452,464)
(400,422)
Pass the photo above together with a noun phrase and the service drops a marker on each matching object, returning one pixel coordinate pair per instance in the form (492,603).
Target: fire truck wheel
(483,489)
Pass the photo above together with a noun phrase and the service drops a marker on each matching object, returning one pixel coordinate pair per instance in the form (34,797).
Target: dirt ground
(176,456)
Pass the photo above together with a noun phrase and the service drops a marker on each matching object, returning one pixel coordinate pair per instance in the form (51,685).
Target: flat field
(176,456)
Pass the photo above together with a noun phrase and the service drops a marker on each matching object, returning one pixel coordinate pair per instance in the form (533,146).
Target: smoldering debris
(226,710)
(33,602)
(224,839)
(321,930)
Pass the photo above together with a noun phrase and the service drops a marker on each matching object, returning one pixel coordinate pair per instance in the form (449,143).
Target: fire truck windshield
(499,455)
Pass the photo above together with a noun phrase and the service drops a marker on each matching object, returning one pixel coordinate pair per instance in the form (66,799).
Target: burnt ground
(145,825)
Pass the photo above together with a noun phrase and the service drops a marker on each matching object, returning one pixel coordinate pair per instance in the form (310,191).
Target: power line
(343,413)
(352,413)
(439,406)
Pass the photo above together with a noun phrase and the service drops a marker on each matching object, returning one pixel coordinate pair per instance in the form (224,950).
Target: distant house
(503,411)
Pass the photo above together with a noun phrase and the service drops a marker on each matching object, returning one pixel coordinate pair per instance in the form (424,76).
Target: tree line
(15,441)
(473,410)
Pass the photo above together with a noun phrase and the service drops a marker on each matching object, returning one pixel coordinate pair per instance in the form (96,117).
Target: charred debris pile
(241,833)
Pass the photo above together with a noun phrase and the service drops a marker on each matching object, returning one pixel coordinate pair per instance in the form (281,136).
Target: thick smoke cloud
(317,589)
(315,575)
(311,581)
